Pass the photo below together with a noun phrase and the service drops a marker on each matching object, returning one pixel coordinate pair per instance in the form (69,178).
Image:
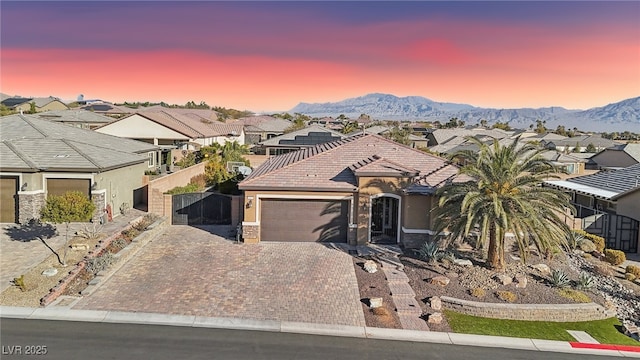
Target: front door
(384,220)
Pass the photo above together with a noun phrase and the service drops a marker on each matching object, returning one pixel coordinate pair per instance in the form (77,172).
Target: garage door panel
(60,186)
(8,191)
(304,220)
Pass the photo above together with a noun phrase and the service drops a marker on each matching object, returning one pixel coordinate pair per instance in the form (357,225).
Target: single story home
(357,190)
(617,157)
(171,130)
(607,204)
(579,143)
(41,104)
(76,117)
(40,158)
(262,127)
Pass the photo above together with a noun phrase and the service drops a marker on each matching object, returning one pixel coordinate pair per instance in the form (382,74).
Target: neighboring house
(571,165)
(40,158)
(360,189)
(607,204)
(441,136)
(416,141)
(108,109)
(328,122)
(194,113)
(78,118)
(579,143)
(261,128)
(296,140)
(617,156)
(173,130)
(42,104)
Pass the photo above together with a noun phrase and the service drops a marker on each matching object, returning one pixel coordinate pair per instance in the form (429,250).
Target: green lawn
(604,331)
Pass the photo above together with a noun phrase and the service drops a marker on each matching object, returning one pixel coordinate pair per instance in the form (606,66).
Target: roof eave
(351,189)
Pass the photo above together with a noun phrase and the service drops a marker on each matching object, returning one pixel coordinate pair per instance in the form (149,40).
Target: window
(152,159)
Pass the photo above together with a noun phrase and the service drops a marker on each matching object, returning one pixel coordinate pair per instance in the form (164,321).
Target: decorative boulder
(543,268)
(435,318)
(375,302)
(522,281)
(440,280)
(504,279)
(436,303)
(463,262)
(50,272)
(370,266)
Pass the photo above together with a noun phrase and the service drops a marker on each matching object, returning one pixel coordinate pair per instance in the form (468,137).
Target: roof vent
(312,175)
(60,156)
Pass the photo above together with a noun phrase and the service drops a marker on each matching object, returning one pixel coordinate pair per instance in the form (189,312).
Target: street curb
(101,316)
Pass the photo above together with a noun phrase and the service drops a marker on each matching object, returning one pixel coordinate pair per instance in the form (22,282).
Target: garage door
(304,220)
(8,191)
(60,186)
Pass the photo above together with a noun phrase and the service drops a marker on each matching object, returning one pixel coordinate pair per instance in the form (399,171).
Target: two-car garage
(304,220)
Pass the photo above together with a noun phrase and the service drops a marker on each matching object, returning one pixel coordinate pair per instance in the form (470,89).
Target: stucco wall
(120,185)
(629,205)
(157,187)
(416,212)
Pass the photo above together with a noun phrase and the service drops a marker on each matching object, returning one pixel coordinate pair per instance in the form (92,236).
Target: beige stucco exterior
(414,209)
(52,105)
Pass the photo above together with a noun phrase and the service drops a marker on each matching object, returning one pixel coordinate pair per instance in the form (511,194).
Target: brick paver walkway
(20,250)
(191,271)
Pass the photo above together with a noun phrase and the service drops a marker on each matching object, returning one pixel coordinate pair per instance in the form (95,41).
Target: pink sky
(491,55)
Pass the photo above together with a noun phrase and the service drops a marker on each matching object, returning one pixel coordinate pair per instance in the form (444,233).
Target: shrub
(575,295)
(586,245)
(585,281)
(587,256)
(190,188)
(633,269)
(430,252)
(630,276)
(614,257)
(598,241)
(130,234)
(200,180)
(477,292)
(507,296)
(99,263)
(603,269)
(380,311)
(560,279)
(119,243)
(19,282)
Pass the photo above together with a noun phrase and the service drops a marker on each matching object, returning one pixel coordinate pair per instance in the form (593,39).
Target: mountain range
(621,116)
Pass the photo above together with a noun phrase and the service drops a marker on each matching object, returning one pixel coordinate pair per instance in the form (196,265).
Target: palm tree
(504,195)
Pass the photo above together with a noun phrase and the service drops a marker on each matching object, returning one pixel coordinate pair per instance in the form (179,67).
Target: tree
(72,206)
(540,127)
(504,195)
(503,126)
(591,148)
(349,127)
(560,130)
(483,123)
(398,134)
(32,108)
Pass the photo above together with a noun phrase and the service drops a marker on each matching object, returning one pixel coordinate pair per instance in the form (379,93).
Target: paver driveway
(191,271)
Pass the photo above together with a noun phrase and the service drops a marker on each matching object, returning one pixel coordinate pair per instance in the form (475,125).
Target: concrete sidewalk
(67,314)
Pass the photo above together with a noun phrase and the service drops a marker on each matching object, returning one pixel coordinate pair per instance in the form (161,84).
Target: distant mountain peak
(619,116)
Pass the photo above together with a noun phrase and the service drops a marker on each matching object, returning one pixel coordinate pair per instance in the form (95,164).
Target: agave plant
(585,281)
(560,279)
(430,252)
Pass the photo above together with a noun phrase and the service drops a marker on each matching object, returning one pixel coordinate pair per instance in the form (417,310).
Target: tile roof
(31,144)
(190,124)
(585,140)
(302,136)
(443,135)
(614,182)
(75,115)
(263,123)
(376,165)
(108,108)
(631,149)
(330,166)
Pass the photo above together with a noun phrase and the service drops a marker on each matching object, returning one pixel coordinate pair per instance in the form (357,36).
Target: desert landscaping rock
(504,279)
(521,281)
(375,302)
(50,272)
(435,303)
(542,268)
(440,280)
(435,318)
(370,266)
(463,262)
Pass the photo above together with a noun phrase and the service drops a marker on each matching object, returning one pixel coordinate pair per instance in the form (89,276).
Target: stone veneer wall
(250,233)
(98,199)
(414,241)
(531,312)
(29,205)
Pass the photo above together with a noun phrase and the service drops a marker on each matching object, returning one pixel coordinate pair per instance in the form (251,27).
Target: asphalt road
(86,340)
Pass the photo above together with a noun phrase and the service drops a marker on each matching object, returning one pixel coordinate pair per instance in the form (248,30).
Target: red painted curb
(629,348)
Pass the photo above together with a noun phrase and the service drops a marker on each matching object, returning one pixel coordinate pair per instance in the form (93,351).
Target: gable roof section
(15,101)
(264,123)
(330,166)
(377,166)
(33,144)
(631,149)
(309,136)
(606,184)
(76,115)
(444,135)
